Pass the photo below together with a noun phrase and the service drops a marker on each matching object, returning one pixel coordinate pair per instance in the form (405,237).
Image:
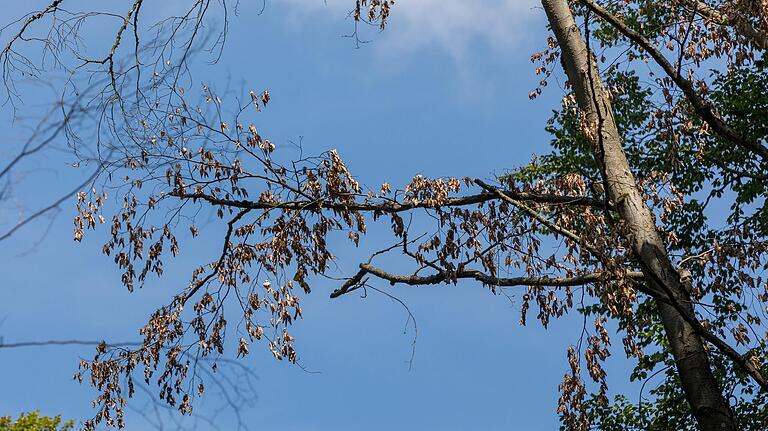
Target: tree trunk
(708,405)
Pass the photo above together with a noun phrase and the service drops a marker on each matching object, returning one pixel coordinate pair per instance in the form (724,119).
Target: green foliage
(661,404)
(743,99)
(34,421)
(702,168)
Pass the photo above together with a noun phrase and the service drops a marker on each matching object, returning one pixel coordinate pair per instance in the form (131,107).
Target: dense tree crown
(34,421)
(662,120)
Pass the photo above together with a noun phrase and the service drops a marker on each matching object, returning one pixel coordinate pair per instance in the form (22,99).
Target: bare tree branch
(391,206)
(468,273)
(52,206)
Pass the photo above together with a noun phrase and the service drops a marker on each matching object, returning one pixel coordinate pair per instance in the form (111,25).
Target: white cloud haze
(452,25)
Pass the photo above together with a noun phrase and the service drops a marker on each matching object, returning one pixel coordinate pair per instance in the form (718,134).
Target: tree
(617,212)
(33,421)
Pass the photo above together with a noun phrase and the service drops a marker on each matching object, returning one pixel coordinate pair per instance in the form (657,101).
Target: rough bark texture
(707,403)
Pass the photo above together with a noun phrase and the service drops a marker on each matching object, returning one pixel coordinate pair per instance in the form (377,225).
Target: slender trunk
(707,403)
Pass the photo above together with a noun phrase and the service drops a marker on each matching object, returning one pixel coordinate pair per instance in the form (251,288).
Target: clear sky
(442,92)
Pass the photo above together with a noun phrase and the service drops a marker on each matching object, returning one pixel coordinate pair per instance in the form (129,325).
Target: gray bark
(708,405)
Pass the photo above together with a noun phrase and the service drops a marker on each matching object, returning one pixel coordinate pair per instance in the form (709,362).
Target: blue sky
(443,91)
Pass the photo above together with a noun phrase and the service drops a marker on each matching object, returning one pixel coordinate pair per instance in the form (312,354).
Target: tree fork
(708,405)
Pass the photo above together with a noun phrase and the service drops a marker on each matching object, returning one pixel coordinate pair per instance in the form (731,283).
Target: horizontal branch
(393,206)
(4,345)
(445,277)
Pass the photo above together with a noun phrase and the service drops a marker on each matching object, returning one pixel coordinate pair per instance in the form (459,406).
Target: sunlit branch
(389,206)
(468,273)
